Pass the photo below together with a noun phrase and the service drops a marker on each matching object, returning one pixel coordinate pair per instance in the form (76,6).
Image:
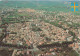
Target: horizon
(39,0)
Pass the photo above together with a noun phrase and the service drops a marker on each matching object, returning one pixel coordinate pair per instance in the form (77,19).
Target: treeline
(14,46)
(66,43)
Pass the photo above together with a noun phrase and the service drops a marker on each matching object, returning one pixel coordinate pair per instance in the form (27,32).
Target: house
(79,36)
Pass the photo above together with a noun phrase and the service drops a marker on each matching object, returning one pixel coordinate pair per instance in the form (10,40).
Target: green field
(41,5)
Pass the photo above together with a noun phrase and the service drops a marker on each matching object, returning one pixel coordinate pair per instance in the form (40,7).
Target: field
(41,5)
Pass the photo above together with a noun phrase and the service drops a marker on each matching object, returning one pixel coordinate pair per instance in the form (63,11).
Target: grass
(44,5)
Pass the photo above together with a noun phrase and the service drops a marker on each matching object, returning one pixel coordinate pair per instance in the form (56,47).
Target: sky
(40,0)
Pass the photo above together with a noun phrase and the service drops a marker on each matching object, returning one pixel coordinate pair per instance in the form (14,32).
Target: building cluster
(26,10)
(22,33)
(37,32)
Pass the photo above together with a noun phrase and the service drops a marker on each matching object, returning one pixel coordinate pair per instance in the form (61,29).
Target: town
(30,32)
